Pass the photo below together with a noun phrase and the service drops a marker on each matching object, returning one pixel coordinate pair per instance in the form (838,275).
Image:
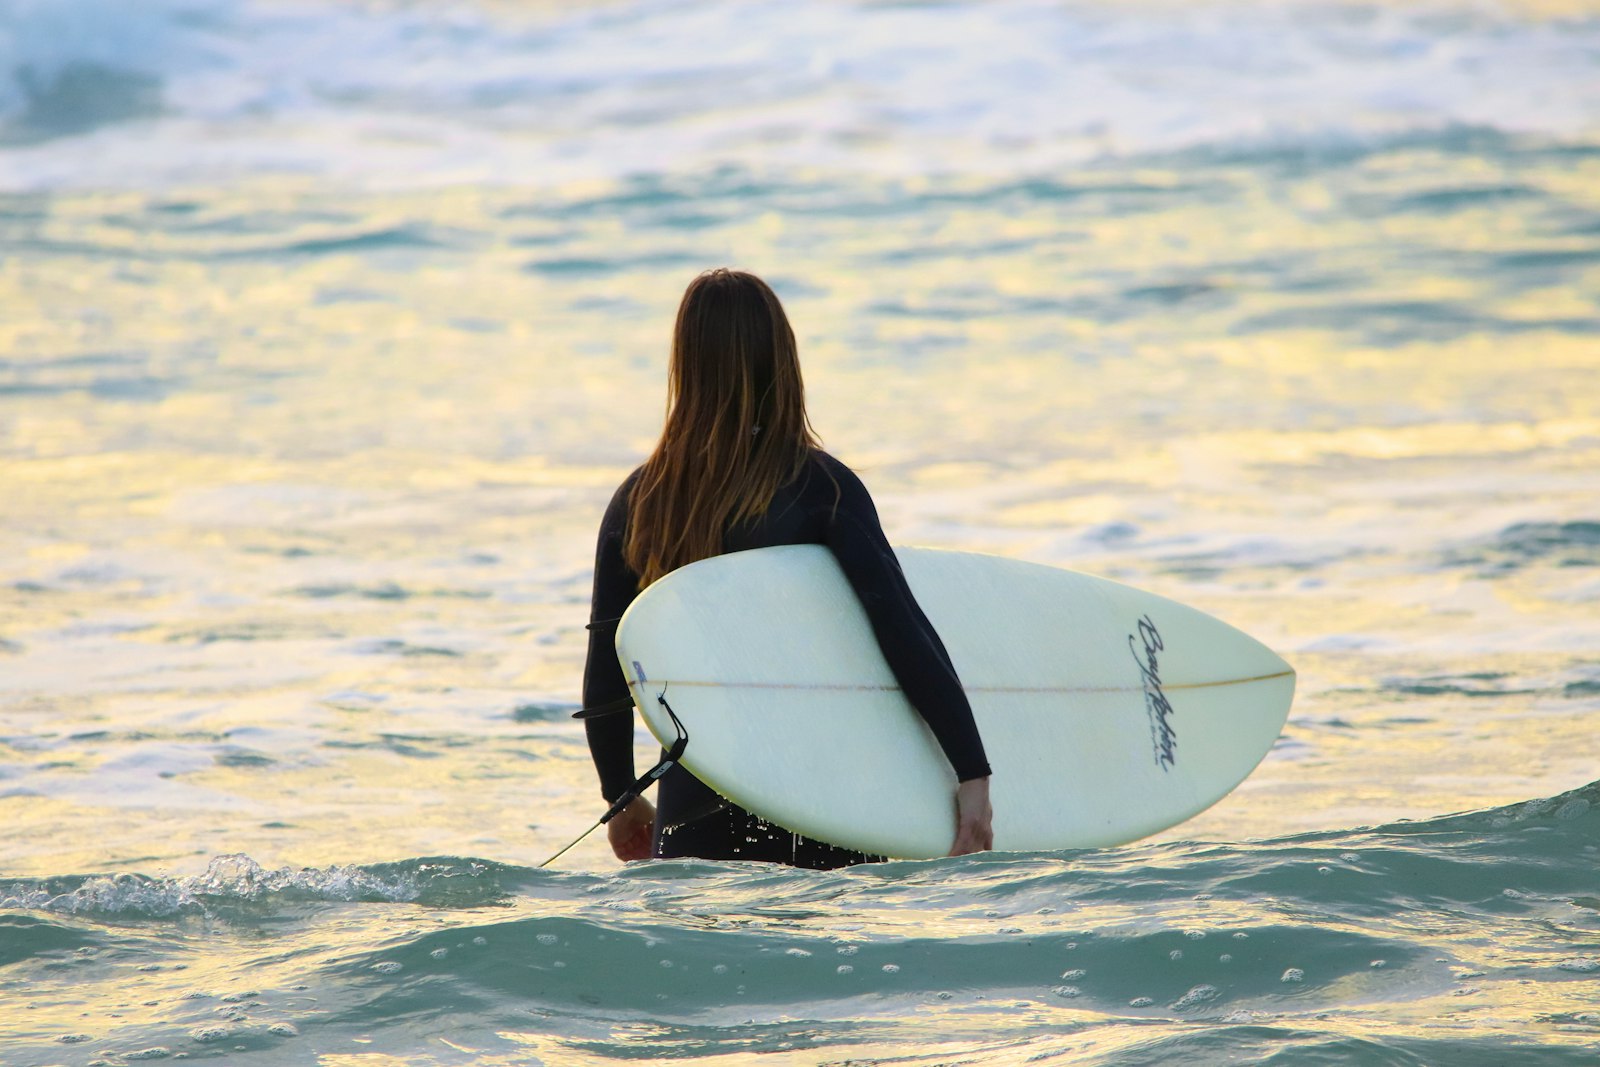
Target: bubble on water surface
(1075,973)
(1141,1002)
(1067,991)
(1573,809)
(1200,994)
(1293,974)
(1581,964)
(388,967)
(891,968)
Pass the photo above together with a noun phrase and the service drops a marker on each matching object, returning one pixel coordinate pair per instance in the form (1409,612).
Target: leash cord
(644,782)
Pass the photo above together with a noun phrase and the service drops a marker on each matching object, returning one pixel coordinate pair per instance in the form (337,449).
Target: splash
(235,883)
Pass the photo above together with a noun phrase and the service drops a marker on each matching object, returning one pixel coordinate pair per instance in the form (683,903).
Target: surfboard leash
(645,780)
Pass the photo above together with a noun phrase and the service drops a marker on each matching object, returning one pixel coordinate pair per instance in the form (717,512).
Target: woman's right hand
(974,818)
(631,830)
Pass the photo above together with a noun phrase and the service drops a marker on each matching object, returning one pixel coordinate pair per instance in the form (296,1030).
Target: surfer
(739,467)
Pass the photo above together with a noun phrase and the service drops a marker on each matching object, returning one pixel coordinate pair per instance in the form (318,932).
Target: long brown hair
(736,428)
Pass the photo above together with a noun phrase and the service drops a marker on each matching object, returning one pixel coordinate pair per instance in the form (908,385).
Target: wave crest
(235,884)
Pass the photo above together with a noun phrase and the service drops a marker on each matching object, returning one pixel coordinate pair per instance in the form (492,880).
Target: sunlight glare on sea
(327,330)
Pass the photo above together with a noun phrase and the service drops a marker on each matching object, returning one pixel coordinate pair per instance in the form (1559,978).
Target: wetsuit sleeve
(615,586)
(909,643)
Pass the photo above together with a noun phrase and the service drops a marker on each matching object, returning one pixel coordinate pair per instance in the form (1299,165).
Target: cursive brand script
(1144,645)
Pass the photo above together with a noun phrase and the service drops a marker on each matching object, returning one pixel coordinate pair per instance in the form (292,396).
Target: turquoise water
(326,330)
(1470,939)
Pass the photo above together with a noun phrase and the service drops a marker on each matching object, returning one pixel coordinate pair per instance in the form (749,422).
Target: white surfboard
(1107,713)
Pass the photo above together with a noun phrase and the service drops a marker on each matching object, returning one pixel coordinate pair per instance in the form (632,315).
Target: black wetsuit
(826,505)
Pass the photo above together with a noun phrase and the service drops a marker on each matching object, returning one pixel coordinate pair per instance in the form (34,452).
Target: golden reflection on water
(299,488)
(300,447)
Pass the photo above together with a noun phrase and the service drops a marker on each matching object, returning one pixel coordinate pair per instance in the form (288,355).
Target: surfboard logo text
(1144,645)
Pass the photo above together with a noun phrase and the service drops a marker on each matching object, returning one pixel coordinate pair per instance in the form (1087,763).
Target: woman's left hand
(974,818)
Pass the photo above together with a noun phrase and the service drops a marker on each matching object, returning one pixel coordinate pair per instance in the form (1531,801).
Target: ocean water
(328,326)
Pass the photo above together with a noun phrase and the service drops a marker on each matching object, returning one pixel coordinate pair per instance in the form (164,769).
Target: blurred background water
(327,328)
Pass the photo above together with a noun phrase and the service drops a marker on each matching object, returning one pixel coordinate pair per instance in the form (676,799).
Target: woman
(738,467)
